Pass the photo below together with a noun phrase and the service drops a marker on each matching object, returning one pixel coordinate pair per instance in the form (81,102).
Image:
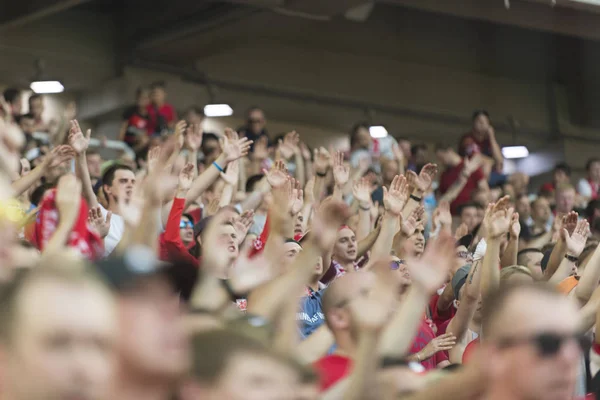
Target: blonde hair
(507,272)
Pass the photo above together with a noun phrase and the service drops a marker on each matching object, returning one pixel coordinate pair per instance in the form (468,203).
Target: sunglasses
(255,121)
(186,224)
(395,264)
(548,344)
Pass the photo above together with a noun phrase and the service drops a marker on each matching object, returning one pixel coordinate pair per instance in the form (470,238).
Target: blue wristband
(217,166)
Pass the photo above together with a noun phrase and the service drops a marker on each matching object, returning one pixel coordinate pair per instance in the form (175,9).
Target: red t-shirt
(424,336)
(451,175)
(157,121)
(470,145)
(332,369)
(438,317)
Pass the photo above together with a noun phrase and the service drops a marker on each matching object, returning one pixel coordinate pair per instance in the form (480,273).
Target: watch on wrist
(571,258)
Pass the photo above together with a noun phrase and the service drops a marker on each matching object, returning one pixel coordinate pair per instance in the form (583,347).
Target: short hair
(527,251)
(495,303)
(209,136)
(589,163)
(12,290)
(462,207)
(415,148)
(507,272)
(251,109)
(109,175)
(212,352)
(34,96)
(564,187)
(252,182)
(354,131)
(197,110)
(158,85)
(478,113)
(11,94)
(564,167)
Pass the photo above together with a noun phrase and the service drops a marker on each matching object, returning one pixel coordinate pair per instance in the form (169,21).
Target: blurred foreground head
(58,328)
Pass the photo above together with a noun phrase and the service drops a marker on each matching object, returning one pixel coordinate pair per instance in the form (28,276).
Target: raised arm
(80,144)
(361,192)
(57,156)
(589,279)
(341,174)
(420,185)
(575,243)
(509,257)
(470,165)
(394,201)
(568,222)
(68,201)
(497,222)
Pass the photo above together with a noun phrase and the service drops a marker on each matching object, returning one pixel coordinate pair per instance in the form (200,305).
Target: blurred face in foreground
(153,341)
(534,365)
(254,377)
(62,346)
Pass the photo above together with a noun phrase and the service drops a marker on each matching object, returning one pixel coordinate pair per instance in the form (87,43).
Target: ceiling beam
(528,14)
(15,13)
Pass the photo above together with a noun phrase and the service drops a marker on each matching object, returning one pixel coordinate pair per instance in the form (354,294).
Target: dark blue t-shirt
(310,316)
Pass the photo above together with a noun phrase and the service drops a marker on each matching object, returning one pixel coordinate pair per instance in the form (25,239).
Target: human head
(418,152)
(530,342)
(339,293)
(515,274)
(27,124)
(389,169)
(186,229)
(592,214)
(532,259)
(481,121)
(523,207)
(414,245)
(565,199)
(117,183)
(344,250)
(445,154)
(561,174)
(36,105)
(360,138)
(540,210)
(469,215)
(13,97)
(94,164)
(593,169)
(227,239)
(256,120)
(158,93)
(210,147)
(291,249)
(58,334)
(299,224)
(232,366)
(142,97)
(194,115)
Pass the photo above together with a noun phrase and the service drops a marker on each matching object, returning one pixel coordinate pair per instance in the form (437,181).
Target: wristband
(571,258)
(364,208)
(232,294)
(321,174)
(217,166)
(416,198)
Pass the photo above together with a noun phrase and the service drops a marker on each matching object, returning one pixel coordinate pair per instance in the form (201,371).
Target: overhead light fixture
(44,87)
(378,131)
(515,152)
(218,110)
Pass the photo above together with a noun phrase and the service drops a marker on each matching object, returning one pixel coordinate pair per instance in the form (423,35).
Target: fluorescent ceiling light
(592,2)
(378,131)
(218,110)
(515,152)
(42,87)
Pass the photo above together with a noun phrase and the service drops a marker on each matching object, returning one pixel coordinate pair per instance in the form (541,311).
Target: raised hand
(242,224)
(499,219)
(193,137)
(443,342)
(59,155)
(68,197)
(248,273)
(472,164)
(289,145)
(429,272)
(186,178)
(77,140)
(576,241)
(515,226)
(461,231)
(442,216)
(234,149)
(569,222)
(327,222)
(425,178)
(361,190)
(296,197)
(277,175)
(309,191)
(341,172)
(398,153)
(231,176)
(322,160)
(213,207)
(152,159)
(409,225)
(98,222)
(396,197)
(306,155)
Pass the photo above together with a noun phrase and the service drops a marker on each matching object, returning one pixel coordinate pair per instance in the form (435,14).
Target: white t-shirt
(117,227)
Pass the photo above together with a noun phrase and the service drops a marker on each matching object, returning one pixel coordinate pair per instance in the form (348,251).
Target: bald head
(343,290)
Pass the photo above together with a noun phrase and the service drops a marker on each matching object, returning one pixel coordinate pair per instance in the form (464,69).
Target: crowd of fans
(242,265)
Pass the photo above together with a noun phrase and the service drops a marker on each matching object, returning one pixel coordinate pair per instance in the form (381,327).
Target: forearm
(203,182)
(455,189)
(300,172)
(540,242)
(490,275)
(192,158)
(588,315)
(318,188)
(563,271)
(589,280)
(146,233)
(496,152)
(59,238)
(509,257)
(556,257)
(367,243)
(226,196)
(399,334)
(25,182)
(315,346)
(83,174)
(383,244)
(338,194)
(412,204)
(364,223)
(363,376)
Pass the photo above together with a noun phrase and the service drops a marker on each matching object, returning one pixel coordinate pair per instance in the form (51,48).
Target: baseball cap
(138,263)
(459,279)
